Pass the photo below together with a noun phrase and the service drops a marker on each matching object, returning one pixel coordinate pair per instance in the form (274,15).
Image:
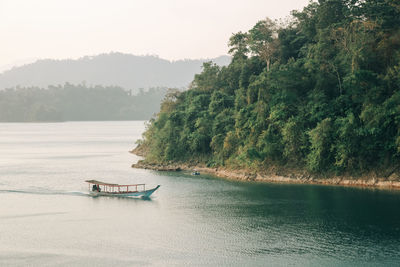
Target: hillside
(78,103)
(113,69)
(320,94)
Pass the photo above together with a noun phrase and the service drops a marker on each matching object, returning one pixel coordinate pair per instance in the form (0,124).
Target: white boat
(98,188)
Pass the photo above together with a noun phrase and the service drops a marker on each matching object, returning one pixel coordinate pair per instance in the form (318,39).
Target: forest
(318,92)
(78,103)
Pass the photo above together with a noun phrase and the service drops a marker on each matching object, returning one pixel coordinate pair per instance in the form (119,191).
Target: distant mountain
(113,69)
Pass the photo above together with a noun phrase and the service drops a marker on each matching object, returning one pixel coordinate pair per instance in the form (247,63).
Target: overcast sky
(172,29)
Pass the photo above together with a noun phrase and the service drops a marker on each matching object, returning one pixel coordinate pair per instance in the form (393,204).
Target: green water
(47,217)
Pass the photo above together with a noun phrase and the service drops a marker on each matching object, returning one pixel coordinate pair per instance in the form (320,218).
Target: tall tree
(263,40)
(238,44)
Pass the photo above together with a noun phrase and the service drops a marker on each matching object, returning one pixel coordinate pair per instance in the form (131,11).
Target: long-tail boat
(98,188)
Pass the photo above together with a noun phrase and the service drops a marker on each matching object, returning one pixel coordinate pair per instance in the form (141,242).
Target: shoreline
(391,182)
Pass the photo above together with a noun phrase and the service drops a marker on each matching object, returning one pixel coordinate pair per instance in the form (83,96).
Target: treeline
(78,103)
(321,93)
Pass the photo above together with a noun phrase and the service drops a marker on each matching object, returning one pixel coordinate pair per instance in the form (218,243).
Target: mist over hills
(78,103)
(112,69)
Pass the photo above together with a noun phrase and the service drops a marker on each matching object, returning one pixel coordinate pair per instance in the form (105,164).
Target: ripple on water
(48,218)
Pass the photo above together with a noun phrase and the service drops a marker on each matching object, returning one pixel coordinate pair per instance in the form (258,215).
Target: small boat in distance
(98,188)
(195,172)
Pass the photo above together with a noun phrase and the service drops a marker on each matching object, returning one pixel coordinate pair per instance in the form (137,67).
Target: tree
(208,79)
(263,40)
(321,137)
(355,38)
(238,44)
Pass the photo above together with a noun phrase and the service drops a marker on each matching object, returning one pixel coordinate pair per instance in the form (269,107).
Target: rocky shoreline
(391,182)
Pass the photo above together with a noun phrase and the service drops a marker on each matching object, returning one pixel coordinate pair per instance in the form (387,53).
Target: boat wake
(45,192)
(65,193)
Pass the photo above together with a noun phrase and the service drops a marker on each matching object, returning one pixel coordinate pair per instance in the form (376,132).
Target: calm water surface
(47,217)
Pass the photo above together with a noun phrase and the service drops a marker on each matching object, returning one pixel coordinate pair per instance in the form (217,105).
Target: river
(47,217)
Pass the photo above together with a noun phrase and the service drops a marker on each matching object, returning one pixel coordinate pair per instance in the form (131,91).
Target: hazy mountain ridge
(125,70)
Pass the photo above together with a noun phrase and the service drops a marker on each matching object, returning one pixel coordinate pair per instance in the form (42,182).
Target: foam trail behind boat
(44,192)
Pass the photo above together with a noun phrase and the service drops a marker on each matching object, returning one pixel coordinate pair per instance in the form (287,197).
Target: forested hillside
(320,93)
(78,103)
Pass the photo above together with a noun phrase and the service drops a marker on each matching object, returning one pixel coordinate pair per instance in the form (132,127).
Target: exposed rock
(394,177)
(274,176)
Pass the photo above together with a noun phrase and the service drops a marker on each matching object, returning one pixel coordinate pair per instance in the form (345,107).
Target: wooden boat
(98,188)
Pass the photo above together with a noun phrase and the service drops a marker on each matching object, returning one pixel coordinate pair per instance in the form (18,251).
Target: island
(314,100)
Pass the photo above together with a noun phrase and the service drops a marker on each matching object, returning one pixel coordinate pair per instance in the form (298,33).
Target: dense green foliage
(77,103)
(321,92)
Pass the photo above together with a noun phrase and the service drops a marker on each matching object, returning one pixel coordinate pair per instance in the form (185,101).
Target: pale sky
(171,29)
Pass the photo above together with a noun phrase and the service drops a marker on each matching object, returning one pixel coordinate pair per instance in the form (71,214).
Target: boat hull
(143,194)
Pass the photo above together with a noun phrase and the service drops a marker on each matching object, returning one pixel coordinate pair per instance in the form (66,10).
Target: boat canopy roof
(108,184)
(98,182)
